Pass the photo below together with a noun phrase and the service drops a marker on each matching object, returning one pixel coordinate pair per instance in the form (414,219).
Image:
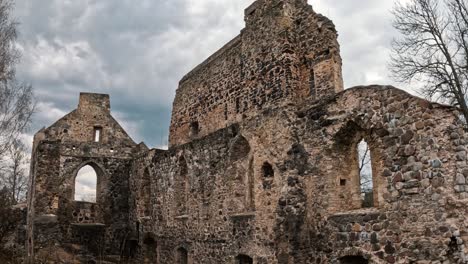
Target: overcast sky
(137,51)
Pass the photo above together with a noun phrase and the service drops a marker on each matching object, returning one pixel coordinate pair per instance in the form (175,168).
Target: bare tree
(14,176)
(16,100)
(433,48)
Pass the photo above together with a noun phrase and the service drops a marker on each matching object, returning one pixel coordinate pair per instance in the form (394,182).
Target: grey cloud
(138,51)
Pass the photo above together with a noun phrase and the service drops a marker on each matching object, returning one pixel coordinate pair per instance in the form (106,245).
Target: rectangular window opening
(97,134)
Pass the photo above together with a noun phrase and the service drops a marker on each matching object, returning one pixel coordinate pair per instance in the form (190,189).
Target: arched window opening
(244,259)
(182,256)
(268,175)
(365,174)
(181,187)
(145,194)
(86,185)
(353,260)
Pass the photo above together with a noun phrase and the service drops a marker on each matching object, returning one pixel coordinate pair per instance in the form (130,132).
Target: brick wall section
(285,53)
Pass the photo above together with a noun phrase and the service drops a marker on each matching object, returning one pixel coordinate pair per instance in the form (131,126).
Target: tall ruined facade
(262,166)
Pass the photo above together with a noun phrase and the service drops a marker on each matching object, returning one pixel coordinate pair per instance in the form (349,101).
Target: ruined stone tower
(262,167)
(285,54)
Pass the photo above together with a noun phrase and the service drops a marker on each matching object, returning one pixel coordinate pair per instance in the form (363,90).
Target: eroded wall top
(285,53)
(90,122)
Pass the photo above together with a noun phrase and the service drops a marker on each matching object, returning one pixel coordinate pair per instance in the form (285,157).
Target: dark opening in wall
(353,260)
(244,259)
(97,136)
(267,170)
(268,175)
(151,250)
(194,129)
(181,256)
(312,90)
(342,182)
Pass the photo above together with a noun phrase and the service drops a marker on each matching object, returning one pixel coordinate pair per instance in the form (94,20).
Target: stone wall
(263,164)
(285,53)
(283,187)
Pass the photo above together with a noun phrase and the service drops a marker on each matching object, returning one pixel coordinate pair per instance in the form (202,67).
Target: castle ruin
(262,166)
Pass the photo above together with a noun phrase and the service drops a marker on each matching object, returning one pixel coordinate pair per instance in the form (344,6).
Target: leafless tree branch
(433,48)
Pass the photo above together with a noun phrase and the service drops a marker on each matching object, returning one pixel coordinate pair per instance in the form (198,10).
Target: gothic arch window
(181,187)
(181,256)
(244,259)
(86,185)
(359,183)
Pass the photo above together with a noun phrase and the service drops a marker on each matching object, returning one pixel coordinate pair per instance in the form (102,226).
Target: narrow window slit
(97,134)
(365,175)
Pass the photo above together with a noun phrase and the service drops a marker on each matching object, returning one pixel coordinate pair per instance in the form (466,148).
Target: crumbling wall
(262,166)
(418,160)
(285,53)
(295,198)
(85,229)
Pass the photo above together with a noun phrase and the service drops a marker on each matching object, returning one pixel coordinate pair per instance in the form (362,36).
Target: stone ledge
(360,215)
(243,215)
(181,217)
(46,219)
(89,225)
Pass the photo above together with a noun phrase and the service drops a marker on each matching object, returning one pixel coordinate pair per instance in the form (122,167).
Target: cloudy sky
(85,184)
(137,51)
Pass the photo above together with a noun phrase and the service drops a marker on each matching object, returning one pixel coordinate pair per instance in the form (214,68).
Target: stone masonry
(262,166)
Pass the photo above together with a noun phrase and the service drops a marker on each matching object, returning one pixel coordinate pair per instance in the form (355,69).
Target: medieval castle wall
(263,164)
(285,53)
